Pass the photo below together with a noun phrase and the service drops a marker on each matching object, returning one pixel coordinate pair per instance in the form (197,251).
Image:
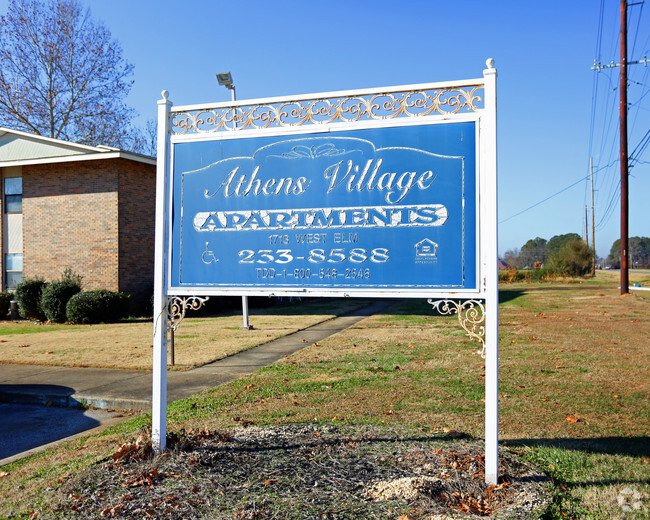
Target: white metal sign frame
(407,105)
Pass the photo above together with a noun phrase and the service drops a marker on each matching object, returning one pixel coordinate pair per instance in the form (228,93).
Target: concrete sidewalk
(113,389)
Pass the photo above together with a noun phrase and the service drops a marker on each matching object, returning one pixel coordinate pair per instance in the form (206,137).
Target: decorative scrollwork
(471,316)
(176,308)
(389,105)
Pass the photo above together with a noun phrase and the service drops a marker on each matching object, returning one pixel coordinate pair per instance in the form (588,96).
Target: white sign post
(318,195)
(491,277)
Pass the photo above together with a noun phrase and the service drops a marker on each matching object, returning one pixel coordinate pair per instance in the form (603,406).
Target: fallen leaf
(3,474)
(616,396)
(23,346)
(270,481)
(124,451)
(499,486)
(572,419)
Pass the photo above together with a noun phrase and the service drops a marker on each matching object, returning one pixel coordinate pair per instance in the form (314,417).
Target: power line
(638,24)
(611,206)
(542,201)
(640,148)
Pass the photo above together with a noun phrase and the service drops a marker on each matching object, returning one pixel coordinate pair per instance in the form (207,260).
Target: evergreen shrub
(5,303)
(28,295)
(573,259)
(55,297)
(98,306)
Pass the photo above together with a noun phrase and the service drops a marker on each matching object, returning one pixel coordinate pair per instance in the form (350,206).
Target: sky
(554,112)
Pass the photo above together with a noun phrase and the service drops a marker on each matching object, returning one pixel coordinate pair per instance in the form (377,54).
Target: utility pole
(593,218)
(625,282)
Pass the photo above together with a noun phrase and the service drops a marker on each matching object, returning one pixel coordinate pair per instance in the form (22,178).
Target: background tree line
(564,254)
(639,253)
(569,254)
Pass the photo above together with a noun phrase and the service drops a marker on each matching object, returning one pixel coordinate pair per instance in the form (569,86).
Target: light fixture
(225,79)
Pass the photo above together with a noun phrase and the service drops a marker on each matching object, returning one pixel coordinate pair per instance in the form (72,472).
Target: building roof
(21,148)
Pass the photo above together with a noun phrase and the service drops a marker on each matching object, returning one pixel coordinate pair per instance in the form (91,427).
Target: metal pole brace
(471,316)
(176,308)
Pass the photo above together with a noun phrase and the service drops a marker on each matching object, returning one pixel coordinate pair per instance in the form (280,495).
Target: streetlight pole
(225,79)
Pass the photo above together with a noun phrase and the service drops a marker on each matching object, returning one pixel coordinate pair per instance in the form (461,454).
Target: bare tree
(511,258)
(62,75)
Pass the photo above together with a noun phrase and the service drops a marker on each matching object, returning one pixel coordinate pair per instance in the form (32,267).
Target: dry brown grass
(129,345)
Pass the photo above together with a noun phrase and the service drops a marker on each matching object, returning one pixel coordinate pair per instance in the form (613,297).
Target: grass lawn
(129,344)
(574,394)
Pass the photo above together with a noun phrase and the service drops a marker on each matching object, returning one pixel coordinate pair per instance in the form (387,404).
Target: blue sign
(380,208)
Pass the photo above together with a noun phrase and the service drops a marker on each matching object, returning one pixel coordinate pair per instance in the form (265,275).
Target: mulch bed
(304,471)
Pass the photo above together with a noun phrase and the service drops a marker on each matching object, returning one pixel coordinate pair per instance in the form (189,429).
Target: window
(13,195)
(13,269)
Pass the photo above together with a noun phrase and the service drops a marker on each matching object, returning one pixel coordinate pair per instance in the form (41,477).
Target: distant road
(635,271)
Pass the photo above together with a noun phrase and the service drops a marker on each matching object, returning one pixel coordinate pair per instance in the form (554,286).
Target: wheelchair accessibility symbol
(208,256)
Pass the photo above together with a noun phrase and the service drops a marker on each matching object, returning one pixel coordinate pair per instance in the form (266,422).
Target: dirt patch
(302,472)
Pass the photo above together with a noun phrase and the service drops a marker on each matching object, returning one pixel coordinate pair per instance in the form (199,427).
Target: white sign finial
(490,63)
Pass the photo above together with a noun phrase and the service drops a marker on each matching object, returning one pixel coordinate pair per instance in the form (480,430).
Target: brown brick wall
(136,202)
(70,220)
(95,217)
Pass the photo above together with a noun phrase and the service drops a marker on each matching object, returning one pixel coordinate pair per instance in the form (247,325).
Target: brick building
(88,208)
